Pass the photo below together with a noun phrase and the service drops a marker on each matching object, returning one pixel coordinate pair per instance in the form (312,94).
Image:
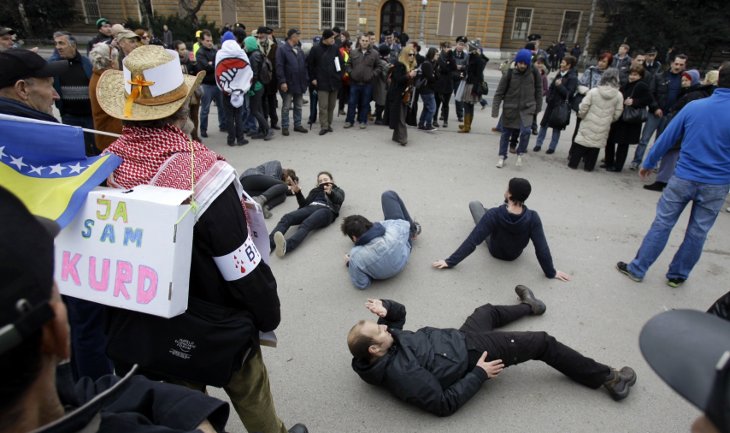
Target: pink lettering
(145,274)
(101,284)
(68,267)
(123,276)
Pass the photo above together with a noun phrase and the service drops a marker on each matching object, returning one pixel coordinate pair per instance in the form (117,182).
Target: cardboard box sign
(129,249)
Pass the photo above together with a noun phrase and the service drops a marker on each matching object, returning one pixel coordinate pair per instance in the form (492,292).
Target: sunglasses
(411,55)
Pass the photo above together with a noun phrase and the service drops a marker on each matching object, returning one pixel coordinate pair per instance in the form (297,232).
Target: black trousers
(588,154)
(260,184)
(517,347)
(308,218)
(271,104)
(442,100)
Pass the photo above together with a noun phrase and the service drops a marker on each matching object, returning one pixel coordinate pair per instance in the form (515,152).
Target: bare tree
(188,9)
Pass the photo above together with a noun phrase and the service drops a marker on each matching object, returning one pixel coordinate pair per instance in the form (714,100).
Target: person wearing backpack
(521,92)
(256,93)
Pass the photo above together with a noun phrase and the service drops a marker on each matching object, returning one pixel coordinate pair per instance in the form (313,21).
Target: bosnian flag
(45,165)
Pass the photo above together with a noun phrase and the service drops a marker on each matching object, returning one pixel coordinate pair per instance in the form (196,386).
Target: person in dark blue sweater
(507,230)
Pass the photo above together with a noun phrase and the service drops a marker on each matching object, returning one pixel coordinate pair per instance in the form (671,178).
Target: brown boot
(466,127)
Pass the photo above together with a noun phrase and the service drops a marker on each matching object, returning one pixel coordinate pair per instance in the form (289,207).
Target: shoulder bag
(634,115)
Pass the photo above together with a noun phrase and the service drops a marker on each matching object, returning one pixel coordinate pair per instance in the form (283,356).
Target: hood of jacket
(511,222)
(607,92)
(373,373)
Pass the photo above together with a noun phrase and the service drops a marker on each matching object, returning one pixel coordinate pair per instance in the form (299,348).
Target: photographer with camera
(318,210)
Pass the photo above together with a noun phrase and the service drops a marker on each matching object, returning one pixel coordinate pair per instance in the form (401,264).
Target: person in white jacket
(601,107)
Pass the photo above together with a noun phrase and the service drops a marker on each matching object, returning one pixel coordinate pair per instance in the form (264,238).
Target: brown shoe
(301,129)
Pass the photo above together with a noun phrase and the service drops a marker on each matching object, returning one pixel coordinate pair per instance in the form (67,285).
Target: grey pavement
(592,220)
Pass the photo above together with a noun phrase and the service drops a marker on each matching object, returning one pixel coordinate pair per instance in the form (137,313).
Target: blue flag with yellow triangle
(44,164)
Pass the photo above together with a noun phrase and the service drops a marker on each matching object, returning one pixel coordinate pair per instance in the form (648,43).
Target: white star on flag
(57,169)
(18,162)
(76,168)
(2,153)
(36,170)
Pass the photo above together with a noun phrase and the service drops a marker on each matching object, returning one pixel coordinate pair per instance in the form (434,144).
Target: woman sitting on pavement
(318,210)
(269,184)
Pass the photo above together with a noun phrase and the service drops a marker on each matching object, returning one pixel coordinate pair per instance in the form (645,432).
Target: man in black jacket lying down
(439,370)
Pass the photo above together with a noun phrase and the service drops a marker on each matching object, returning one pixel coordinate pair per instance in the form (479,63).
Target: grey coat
(380,86)
(521,94)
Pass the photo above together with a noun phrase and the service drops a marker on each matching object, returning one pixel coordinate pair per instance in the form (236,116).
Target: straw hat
(151,86)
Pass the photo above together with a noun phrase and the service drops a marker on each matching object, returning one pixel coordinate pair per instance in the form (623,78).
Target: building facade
(502,26)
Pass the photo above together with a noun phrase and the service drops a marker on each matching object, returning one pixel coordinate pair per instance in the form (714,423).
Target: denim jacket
(383,257)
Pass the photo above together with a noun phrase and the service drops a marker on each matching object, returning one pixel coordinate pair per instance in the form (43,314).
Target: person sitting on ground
(381,249)
(318,210)
(269,184)
(37,392)
(507,230)
(439,370)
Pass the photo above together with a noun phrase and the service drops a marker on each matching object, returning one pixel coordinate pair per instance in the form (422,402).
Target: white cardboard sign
(129,249)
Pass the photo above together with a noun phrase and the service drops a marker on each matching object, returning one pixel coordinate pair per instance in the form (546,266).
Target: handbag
(204,345)
(634,115)
(578,97)
(560,115)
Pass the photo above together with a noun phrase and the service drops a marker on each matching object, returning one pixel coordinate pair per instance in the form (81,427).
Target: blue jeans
(211,93)
(707,200)
(249,120)
(429,109)
(360,96)
(653,123)
(525,132)
(308,218)
(286,104)
(395,209)
(553,140)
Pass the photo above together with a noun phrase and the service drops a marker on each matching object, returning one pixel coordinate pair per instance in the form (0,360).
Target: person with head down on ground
(439,370)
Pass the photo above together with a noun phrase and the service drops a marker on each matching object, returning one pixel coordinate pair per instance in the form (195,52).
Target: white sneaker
(280,243)
(500,163)
(518,163)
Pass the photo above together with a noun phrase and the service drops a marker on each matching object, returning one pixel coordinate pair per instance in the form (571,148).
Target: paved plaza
(592,220)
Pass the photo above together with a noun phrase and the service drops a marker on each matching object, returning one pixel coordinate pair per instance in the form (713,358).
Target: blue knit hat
(693,75)
(228,36)
(523,56)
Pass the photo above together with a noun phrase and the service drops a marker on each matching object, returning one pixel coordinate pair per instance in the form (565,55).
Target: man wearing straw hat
(152,103)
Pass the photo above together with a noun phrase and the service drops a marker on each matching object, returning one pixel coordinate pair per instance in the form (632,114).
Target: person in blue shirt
(382,248)
(507,230)
(702,176)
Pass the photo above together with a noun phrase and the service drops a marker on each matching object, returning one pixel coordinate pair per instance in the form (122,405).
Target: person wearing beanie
(693,78)
(520,89)
(234,78)
(507,229)
(105,34)
(322,66)
(256,93)
(228,36)
(268,46)
(701,176)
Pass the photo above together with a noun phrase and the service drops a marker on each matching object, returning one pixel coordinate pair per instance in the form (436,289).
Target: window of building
(522,23)
(333,13)
(271,13)
(571,23)
(91,11)
(452,18)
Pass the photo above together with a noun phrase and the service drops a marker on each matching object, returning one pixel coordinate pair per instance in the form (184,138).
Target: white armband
(240,262)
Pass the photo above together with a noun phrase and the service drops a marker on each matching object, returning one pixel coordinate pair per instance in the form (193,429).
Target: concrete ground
(592,220)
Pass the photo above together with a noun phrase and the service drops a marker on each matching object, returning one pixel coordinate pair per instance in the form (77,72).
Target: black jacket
(256,59)
(334,200)
(321,66)
(132,404)
(206,62)
(446,67)
(428,368)
(428,74)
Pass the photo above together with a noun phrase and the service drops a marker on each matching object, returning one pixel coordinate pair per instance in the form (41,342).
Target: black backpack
(267,71)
